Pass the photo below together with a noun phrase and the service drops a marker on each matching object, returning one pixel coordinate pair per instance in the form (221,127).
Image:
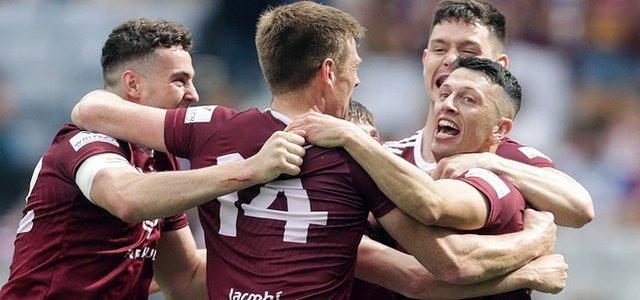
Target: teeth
(447,123)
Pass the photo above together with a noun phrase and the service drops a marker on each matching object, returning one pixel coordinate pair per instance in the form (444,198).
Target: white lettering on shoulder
(83,138)
(199,114)
(531,152)
(492,179)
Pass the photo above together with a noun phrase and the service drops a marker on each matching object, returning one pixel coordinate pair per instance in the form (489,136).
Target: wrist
(531,244)
(247,171)
(526,277)
(353,138)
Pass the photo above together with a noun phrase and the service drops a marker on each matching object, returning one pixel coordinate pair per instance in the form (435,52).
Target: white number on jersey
(27,221)
(297,218)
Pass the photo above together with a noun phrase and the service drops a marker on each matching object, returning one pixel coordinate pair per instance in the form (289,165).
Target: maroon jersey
(505,201)
(292,238)
(68,247)
(527,155)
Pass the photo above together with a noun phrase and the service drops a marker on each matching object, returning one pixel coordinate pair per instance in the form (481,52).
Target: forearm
(436,289)
(187,285)
(550,190)
(403,274)
(165,194)
(106,112)
(463,258)
(483,257)
(411,189)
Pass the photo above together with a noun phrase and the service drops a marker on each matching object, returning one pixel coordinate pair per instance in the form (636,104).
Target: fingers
(294,159)
(290,169)
(290,137)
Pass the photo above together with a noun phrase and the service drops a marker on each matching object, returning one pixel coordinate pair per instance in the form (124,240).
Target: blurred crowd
(577,60)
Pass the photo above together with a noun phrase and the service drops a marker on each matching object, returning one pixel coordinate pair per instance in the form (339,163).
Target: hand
(549,273)
(281,153)
(540,225)
(323,130)
(454,166)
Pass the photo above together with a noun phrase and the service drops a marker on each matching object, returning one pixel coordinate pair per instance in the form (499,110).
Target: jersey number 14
(297,218)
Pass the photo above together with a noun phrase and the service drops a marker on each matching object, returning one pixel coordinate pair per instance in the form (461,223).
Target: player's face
(346,79)
(169,79)
(465,113)
(449,41)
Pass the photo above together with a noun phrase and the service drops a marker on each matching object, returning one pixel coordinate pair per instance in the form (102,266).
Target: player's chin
(441,150)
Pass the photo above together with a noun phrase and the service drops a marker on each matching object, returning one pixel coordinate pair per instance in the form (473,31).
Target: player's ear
(327,72)
(503,59)
(502,129)
(131,85)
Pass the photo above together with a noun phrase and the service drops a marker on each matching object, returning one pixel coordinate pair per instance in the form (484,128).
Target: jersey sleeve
(377,202)
(77,146)
(186,130)
(504,199)
(527,155)
(175,222)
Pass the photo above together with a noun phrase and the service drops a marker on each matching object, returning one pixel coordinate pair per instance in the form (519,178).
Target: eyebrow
(466,88)
(180,74)
(463,43)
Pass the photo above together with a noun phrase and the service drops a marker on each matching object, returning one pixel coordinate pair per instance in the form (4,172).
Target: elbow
(124,209)
(430,216)
(584,212)
(84,111)
(431,213)
(585,215)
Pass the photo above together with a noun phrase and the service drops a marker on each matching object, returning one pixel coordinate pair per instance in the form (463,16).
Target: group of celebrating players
(285,195)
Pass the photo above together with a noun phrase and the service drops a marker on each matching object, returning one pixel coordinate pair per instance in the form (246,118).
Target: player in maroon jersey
(297,236)
(474,28)
(90,229)
(392,260)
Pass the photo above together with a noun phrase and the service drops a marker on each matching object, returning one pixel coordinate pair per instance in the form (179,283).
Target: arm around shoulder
(105,112)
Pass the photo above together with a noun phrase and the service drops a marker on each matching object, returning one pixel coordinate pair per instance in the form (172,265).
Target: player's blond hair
(293,40)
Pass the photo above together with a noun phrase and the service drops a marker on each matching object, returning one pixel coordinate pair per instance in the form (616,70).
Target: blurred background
(577,60)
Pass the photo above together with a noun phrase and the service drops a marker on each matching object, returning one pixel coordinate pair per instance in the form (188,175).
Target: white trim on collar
(417,155)
(286,120)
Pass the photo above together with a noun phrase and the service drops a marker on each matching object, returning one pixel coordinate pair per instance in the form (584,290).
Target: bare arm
(410,188)
(450,257)
(546,189)
(403,274)
(468,258)
(180,269)
(405,184)
(102,111)
(134,197)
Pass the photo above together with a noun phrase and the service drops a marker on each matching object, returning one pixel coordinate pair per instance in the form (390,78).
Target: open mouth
(440,80)
(447,128)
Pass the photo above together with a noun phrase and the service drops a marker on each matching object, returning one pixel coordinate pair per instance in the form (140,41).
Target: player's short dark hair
(137,38)
(472,12)
(497,74)
(293,40)
(359,113)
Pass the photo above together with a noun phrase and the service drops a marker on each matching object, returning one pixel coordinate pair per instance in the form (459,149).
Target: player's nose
(191,96)
(450,58)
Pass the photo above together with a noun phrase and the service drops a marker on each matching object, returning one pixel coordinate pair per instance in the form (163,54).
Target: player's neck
(118,91)
(292,104)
